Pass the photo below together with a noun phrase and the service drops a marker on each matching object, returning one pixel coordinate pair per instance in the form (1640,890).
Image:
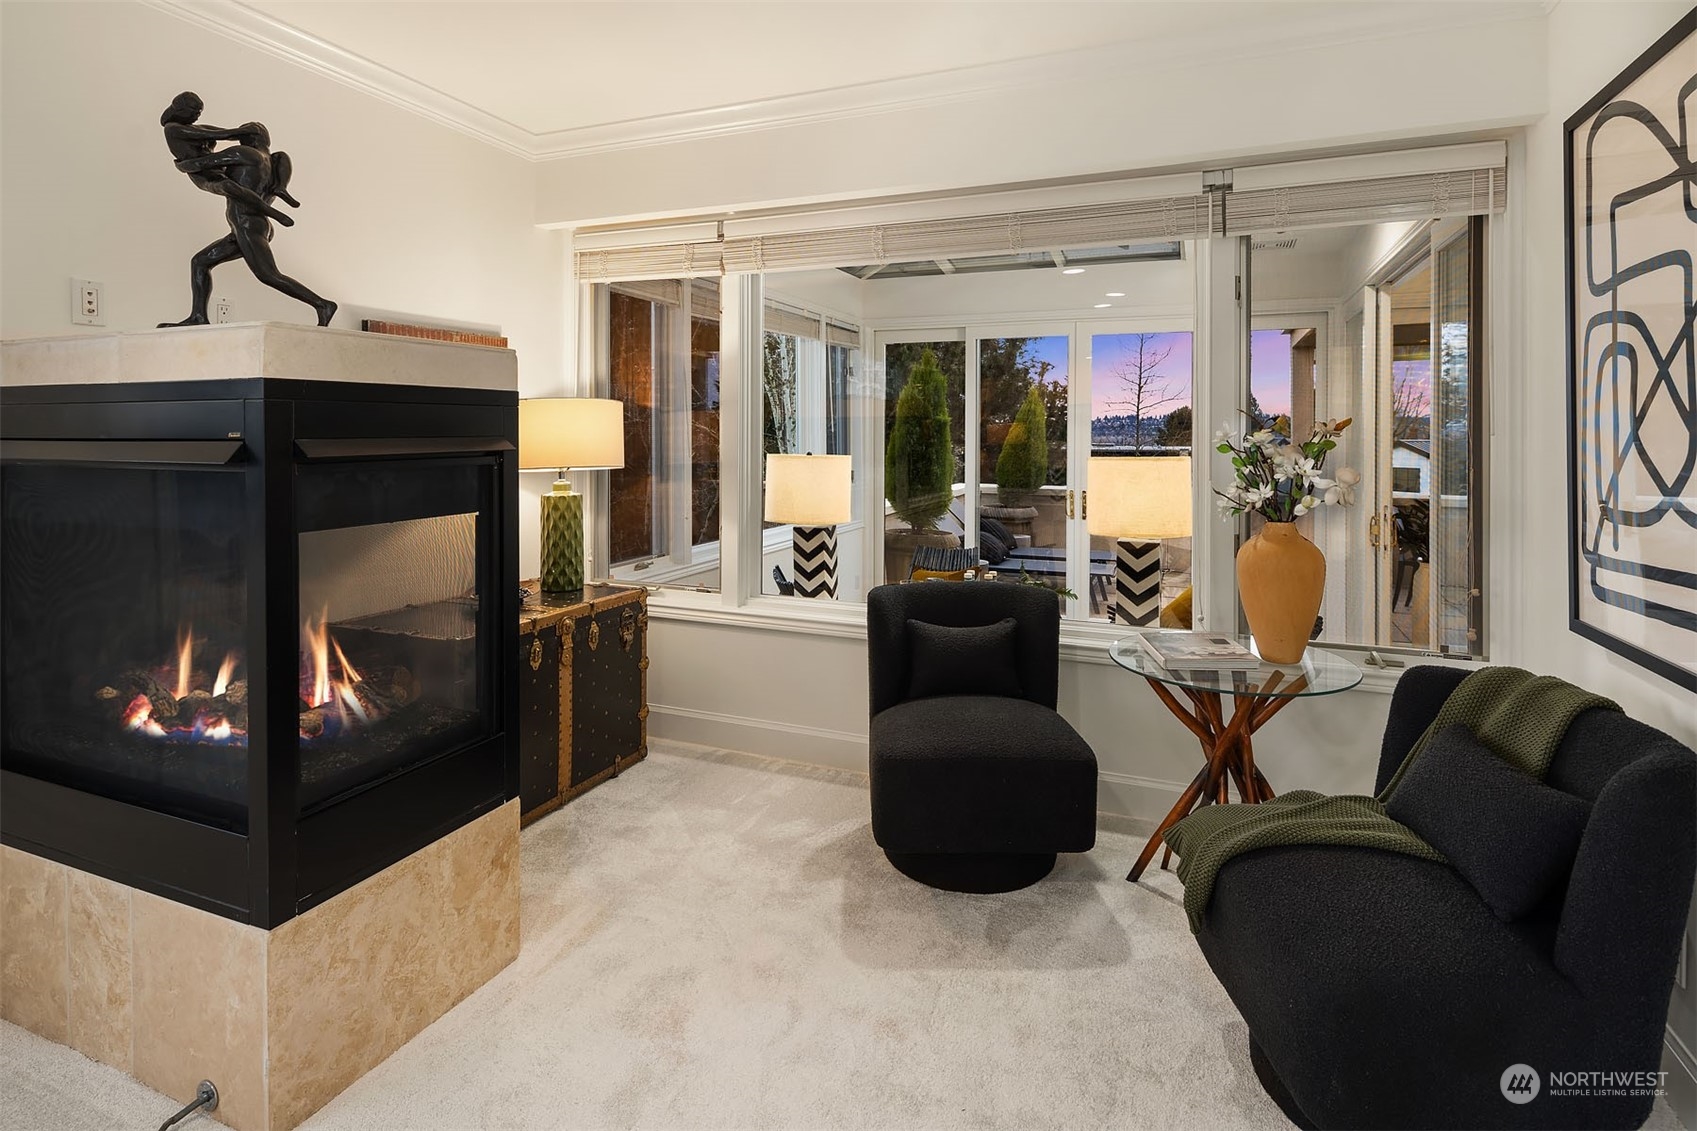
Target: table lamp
(561,434)
(813,494)
(1138,500)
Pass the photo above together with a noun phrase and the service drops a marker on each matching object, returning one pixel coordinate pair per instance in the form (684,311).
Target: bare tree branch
(1146,387)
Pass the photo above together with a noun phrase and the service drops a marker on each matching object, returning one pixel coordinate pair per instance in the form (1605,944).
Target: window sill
(1081,642)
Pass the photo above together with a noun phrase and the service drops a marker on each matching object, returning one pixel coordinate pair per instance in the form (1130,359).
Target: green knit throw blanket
(1516,715)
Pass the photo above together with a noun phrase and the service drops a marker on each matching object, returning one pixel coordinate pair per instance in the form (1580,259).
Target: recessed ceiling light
(1116,294)
(1103,305)
(1072,270)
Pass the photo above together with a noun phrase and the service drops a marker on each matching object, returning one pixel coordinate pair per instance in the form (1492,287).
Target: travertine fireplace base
(281,1021)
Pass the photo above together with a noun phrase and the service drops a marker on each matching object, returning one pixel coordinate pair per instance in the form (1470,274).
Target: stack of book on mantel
(1198,651)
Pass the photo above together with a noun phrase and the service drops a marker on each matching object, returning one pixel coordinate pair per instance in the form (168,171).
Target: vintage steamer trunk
(583,692)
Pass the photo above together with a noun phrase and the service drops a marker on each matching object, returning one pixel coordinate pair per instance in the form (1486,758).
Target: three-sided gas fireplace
(259,634)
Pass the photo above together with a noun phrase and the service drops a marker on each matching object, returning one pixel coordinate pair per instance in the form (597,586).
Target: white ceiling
(544,78)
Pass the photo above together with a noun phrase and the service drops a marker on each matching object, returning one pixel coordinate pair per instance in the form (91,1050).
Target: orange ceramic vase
(1281,577)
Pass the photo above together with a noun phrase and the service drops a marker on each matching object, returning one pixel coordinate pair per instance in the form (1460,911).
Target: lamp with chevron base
(813,494)
(1138,500)
(557,434)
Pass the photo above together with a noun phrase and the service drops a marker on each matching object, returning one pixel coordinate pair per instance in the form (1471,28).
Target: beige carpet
(713,941)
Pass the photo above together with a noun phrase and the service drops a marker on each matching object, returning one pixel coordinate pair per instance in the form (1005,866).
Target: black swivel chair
(976,781)
(1381,991)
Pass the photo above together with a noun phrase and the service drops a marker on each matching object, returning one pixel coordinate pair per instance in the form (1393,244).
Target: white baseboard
(1681,1066)
(1127,795)
(1123,795)
(838,749)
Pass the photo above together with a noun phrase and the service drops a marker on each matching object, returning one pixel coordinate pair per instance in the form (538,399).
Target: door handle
(1373,531)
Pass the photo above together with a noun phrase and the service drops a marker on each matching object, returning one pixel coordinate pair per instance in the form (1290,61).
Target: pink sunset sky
(1269,372)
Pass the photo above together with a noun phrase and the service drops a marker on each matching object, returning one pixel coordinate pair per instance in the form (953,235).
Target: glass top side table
(1257,694)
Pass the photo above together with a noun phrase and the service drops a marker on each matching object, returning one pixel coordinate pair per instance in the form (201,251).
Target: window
(1403,563)
(658,344)
(924,447)
(809,363)
(997,383)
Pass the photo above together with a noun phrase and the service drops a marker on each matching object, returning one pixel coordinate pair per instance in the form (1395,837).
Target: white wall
(398,213)
(803,696)
(1589,43)
(1152,112)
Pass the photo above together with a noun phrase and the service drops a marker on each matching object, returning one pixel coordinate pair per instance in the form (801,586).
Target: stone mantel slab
(255,349)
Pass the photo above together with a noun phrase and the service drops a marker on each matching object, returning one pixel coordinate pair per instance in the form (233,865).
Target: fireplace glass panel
(390,673)
(124,601)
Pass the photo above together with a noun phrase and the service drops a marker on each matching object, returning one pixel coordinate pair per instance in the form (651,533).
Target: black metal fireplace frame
(287,861)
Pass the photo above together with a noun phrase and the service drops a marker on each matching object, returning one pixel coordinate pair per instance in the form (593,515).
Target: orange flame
(318,645)
(185,659)
(225,671)
(348,671)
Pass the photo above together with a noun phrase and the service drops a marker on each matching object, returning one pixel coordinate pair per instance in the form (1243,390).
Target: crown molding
(255,29)
(237,21)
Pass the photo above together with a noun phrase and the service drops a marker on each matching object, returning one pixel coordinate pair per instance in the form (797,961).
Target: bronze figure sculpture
(249,177)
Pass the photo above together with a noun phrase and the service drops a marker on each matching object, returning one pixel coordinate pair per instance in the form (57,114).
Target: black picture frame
(1634,593)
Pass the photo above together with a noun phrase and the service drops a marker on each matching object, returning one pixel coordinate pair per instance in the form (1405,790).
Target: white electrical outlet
(221,311)
(88,303)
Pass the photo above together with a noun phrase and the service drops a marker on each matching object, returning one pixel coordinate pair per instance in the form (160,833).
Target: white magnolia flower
(1342,492)
(1224,433)
(1256,495)
(1262,439)
(1227,506)
(1288,464)
(1306,504)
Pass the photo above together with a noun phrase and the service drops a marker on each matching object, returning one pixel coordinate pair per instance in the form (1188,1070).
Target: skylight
(1020,261)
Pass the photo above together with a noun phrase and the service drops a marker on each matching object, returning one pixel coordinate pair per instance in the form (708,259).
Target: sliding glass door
(1024,407)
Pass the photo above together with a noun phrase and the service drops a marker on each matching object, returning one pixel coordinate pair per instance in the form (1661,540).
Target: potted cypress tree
(918,466)
(1023,465)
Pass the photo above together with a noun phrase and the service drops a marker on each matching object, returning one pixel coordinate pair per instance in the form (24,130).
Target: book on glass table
(1198,651)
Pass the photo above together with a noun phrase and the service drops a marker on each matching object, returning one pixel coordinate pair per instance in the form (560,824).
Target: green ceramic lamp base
(562,539)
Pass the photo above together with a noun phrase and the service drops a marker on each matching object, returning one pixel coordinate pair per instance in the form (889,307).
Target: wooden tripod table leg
(1229,755)
(1206,785)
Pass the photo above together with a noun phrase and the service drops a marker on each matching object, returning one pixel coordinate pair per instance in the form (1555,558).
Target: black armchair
(977,782)
(1381,991)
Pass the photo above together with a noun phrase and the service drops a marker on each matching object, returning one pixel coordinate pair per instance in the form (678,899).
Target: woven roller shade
(1424,196)
(703,294)
(681,260)
(779,318)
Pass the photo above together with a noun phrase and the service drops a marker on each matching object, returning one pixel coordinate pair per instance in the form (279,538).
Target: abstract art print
(1631,168)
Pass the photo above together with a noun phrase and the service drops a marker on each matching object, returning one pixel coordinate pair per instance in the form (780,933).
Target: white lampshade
(1144,497)
(808,490)
(578,432)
